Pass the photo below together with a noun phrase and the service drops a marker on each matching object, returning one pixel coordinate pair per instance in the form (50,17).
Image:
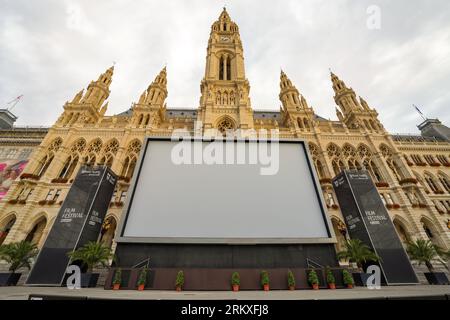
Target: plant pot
(332,286)
(235,287)
(141,287)
(178,288)
(438,278)
(291,288)
(9,279)
(89,280)
(116,286)
(349,286)
(315,286)
(266,287)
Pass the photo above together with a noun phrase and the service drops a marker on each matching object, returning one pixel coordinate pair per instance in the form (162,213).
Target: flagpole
(420,112)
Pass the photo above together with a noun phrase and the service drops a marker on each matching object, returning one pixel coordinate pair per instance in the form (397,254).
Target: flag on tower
(420,112)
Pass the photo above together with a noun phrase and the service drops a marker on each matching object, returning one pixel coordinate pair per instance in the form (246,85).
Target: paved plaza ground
(442,292)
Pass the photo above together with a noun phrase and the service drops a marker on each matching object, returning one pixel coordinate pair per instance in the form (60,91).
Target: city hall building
(411,173)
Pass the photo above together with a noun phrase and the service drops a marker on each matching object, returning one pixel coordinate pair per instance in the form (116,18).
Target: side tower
(88,108)
(224,102)
(353,113)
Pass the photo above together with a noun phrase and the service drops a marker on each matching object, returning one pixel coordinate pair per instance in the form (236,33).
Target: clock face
(224,39)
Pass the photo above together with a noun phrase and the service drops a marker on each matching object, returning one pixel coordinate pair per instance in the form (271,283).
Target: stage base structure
(209,267)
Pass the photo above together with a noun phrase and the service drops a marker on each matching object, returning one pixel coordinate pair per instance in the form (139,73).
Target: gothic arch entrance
(36,231)
(6,227)
(432,232)
(402,232)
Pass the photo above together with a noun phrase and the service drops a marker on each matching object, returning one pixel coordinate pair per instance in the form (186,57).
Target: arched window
(306,123)
(72,160)
(221,75)
(92,152)
(442,159)
(225,125)
(300,123)
(444,181)
(432,182)
(335,154)
(228,68)
(314,150)
(109,152)
(391,162)
(130,160)
(47,159)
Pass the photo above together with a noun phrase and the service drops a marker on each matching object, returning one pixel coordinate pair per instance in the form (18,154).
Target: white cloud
(49,57)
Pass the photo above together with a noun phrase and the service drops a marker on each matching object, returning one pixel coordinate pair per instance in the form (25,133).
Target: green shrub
(264,278)
(18,254)
(348,279)
(118,277)
(313,278)
(143,276)
(330,276)
(235,279)
(179,282)
(291,279)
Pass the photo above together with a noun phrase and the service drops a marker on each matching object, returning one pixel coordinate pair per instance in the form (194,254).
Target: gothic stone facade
(411,173)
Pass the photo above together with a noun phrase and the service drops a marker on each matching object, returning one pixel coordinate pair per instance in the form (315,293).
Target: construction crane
(11,104)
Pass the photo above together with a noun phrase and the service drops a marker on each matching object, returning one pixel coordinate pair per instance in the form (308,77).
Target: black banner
(79,221)
(367,219)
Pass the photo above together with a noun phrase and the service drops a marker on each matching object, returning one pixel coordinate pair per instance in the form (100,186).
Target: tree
(18,254)
(358,252)
(93,254)
(424,251)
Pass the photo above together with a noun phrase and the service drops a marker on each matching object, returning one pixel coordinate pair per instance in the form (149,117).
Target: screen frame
(120,238)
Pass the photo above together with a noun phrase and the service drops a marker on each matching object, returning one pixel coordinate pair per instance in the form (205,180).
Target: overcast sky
(49,50)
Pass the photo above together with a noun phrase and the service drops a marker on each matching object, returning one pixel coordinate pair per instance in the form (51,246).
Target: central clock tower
(224,101)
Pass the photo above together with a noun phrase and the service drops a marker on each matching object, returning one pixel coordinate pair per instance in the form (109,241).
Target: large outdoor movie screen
(224,192)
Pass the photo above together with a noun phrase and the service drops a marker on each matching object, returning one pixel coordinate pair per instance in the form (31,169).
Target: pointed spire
(161,78)
(364,103)
(78,96)
(285,82)
(142,97)
(338,84)
(224,15)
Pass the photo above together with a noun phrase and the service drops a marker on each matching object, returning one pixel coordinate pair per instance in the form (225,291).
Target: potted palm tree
(291,280)
(331,280)
(142,279)
(424,251)
(179,282)
(91,255)
(117,279)
(359,253)
(348,279)
(265,280)
(313,279)
(235,281)
(17,255)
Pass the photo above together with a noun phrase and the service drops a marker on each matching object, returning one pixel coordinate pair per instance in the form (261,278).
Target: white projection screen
(206,201)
